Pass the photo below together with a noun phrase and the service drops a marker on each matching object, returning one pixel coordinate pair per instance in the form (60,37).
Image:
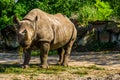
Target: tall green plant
(6,7)
(88,9)
(115,5)
(20,9)
(95,11)
(87,13)
(104,10)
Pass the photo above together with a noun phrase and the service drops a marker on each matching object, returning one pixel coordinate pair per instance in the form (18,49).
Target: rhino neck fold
(27,19)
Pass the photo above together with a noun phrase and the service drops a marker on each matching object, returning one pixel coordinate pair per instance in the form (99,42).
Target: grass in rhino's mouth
(34,69)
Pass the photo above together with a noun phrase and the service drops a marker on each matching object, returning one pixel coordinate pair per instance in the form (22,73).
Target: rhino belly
(61,41)
(58,45)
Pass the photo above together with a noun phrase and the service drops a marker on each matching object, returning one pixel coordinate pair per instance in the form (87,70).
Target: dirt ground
(108,60)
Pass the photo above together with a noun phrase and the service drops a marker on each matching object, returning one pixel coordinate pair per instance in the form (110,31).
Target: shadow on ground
(76,59)
(98,58)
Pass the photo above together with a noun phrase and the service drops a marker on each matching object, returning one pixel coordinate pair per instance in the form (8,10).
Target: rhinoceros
(46,32)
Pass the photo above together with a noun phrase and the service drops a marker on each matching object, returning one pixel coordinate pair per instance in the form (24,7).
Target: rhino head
(25,30)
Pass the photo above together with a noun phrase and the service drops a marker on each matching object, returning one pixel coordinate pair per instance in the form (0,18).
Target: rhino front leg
(44,48)
(27,57)
(61,52)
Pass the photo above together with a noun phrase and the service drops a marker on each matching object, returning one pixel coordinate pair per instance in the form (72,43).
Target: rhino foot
(25,66)
(44,66)
(59,63)
(65,64)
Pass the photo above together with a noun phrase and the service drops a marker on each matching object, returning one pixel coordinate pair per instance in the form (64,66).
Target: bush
(87,13)
(104,10)
(89,10)
(98,11)
(5,12)
(22,7)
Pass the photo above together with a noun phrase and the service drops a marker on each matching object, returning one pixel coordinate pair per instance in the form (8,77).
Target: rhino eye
(23,33)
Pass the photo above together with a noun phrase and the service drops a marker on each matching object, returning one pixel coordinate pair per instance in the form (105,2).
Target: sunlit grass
(35,69)
(37,52)
(94,67)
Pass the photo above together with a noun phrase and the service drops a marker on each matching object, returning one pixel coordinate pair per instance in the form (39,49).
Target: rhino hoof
(25,66)
(65,64)
(59,63)
(44,66)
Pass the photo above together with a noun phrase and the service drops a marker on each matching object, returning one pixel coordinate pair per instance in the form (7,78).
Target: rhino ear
(34,22)
(36,18)
(15,20)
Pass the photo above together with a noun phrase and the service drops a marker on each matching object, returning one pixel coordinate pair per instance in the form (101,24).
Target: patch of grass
(35,70)
(13,70)
(84,70)
(37,52)
(54,52)
(5,68)
(94,67)
(8,68)
(81,72)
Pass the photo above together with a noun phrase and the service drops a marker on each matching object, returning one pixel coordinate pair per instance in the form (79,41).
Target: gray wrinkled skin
(46,32)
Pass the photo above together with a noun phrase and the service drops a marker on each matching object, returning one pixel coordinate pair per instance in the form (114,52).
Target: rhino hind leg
(61,52)
(68,48)
(44,48)
(26,58)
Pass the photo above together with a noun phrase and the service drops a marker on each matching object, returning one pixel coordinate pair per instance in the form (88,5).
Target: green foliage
(20,10)
(89,10)
(5,12)
(22,7)
(104,10)
(116,8)
(4,20)
(95,11)
(87,13)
